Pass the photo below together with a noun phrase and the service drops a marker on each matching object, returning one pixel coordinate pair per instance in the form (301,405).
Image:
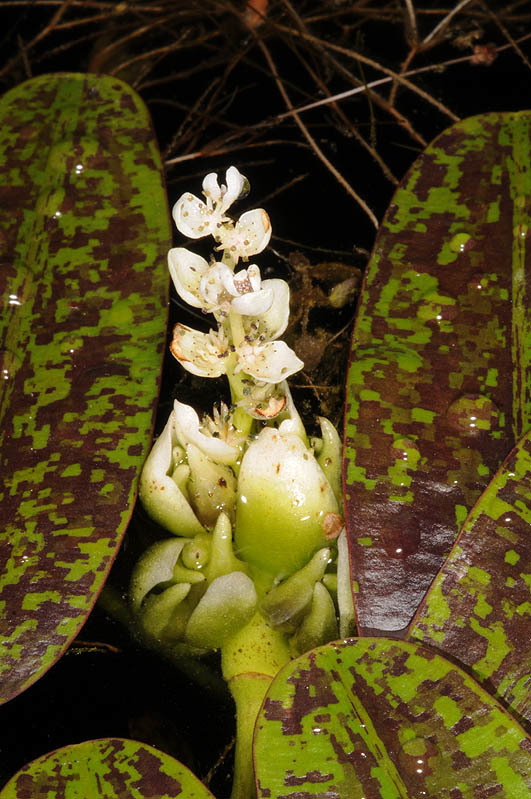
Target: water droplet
(401,536)
(436,307)
(406,450)
(70,344)
(71,157)
(478,281)
(418,758)
(16,285)
(50,204)
(9,364)
(461,242)
(520,231)
(510,520)
(473,414)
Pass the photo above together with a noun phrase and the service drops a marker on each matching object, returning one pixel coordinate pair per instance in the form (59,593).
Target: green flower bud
(156,568)
(286,604)
(196,553)
(329,458)
(319,625)
(222,558)
(164,616)
(285,504)
(228,604)
(162,498)
(211,487)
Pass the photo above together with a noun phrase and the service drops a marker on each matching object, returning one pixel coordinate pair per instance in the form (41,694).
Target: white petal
(160,496)
(186,270)
(211,187)
(256,228)
(293,423)
(249,236)
(213,284)
(235,181)
(202,354)
(193,218)
(253,303)
(273,322)
(187,428)
(229,284)
(270,362)
(253,274)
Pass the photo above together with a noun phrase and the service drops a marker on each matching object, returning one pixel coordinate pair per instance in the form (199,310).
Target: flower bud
(329,457)
(283,501)
(228,604)
(319,625)
(161,496)
(211,487)
(286,604)
(159,566)
(222,558)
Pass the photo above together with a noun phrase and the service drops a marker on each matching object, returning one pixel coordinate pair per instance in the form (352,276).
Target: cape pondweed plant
(255,504)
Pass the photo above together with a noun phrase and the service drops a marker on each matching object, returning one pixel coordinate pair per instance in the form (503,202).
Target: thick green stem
(250,660)
(248,691)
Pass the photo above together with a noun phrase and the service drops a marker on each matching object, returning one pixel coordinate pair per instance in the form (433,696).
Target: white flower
(216,288)
(249,236)
(188,430)
(246,287)
(186,479)
(269,362)
(202,354)
(221,425)
(194,218)
(271,324)
(205,354)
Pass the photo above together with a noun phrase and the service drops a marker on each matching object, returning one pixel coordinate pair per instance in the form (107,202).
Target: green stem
(236,328)
(250,660)
(238,385)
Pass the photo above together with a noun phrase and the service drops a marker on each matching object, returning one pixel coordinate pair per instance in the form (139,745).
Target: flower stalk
(254,504)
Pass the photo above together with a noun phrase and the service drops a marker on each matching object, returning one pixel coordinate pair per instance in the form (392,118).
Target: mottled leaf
(478,609)
(438,382)
(388,719)
(110,767)
(83,232)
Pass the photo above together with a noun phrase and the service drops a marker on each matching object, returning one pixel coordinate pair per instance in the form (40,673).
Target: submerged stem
(250,660)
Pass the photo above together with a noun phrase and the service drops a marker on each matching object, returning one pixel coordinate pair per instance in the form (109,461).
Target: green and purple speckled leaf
(438,383)
(372,717)
(478,609)
(109,767)
(84,229)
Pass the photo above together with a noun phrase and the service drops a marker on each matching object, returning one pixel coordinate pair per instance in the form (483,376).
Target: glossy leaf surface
(110,767)
(478,609)
(388,719)
(83,230)
(438,383)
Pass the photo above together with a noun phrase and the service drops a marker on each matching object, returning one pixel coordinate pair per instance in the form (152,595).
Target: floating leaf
(479,606)
(110,767)
(83,230)
(438,389)
(390,719)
